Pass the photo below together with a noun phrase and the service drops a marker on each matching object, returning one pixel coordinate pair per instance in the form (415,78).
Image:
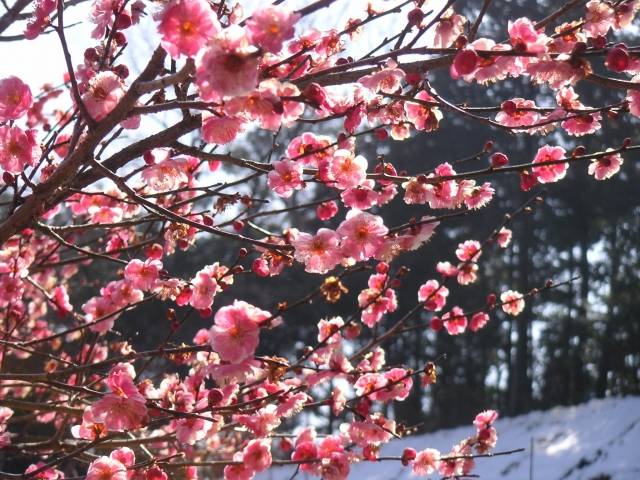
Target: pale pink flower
(235,333)
(633,97)
(467,273)
(238,471)
(105,468)
(362,235)
(257,455)
(387,80)
(310,149)
(450,26)
(220,129)
(103,93)
(271,26)
(11,290)
(599,18)
(18,149)
(227,67)
(469,251)
(124,455)
(335,467)
(204,290)
(422,116)
(186,26)
(512,302)
(504,237)
(605,167)
(15,98)
(143,275)
(166,175)
(376,304)
(426,462)
(192,429)
(554,172)
(434,295)
(285,177)
(319,252)
(495,67)
(479,196)
(348,170)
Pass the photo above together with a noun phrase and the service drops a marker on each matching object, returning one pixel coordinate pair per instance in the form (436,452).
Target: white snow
(598,440)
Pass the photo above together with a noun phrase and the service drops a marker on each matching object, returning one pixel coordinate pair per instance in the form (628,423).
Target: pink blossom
(361,197)
(124,408)
(517,113)
(479,196)
(270,26)
(220,129)
(455,321)
(362,235)
(504,237)
(143,275)
(348,171)
(387,80)
(525,37)
(450,26)
(227,67)
(186,26)
(105,468)
(205,288)
(376,303)
(61,299)
(166,175)
(605,167)
(478,321)
(319,252)
(11,290)
(257,455)
(15,98)
(40,19)
(423,117)
(18,149)
(103,93)
(599,18)
(285,177)
(485,419)
(467,273)
(124,455)
(50,473)
(469,251)
(192,429)
(512,302)
(550,173)
(89,429)
(426,462)
(235,333)
(434,295)
(335,467)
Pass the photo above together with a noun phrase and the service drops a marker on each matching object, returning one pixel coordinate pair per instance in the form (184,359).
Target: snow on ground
(598,440)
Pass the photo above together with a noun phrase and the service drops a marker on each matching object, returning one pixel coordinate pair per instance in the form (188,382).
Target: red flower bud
(499,159)
(618,59)
(465,61)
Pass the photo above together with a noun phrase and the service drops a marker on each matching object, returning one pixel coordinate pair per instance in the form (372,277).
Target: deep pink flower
(227,67)
(40,19)
(319,252)
(455,321)
(270,26)
(550,173)
(478,321)
(235,334)
(103,93)
(186,26)
(143,275)
(15,98)
(525,37)
(485,419)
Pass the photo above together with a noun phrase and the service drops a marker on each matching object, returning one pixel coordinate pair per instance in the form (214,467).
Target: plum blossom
(550,173)
(285,177)
(387,80)
(426,462)
(469,251)
(103,93)
(504,237)
(319,252)
(221,129)
(455,321)
(348,171)
(605,167)
(422,116)
(478,321)
(143,275)
(433,295)
(271,26)
(186,26)
(512,302)
(362,235)
(227,67)
(15,98)
(257,455)
(236,330)
(18,149)
(106,468)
